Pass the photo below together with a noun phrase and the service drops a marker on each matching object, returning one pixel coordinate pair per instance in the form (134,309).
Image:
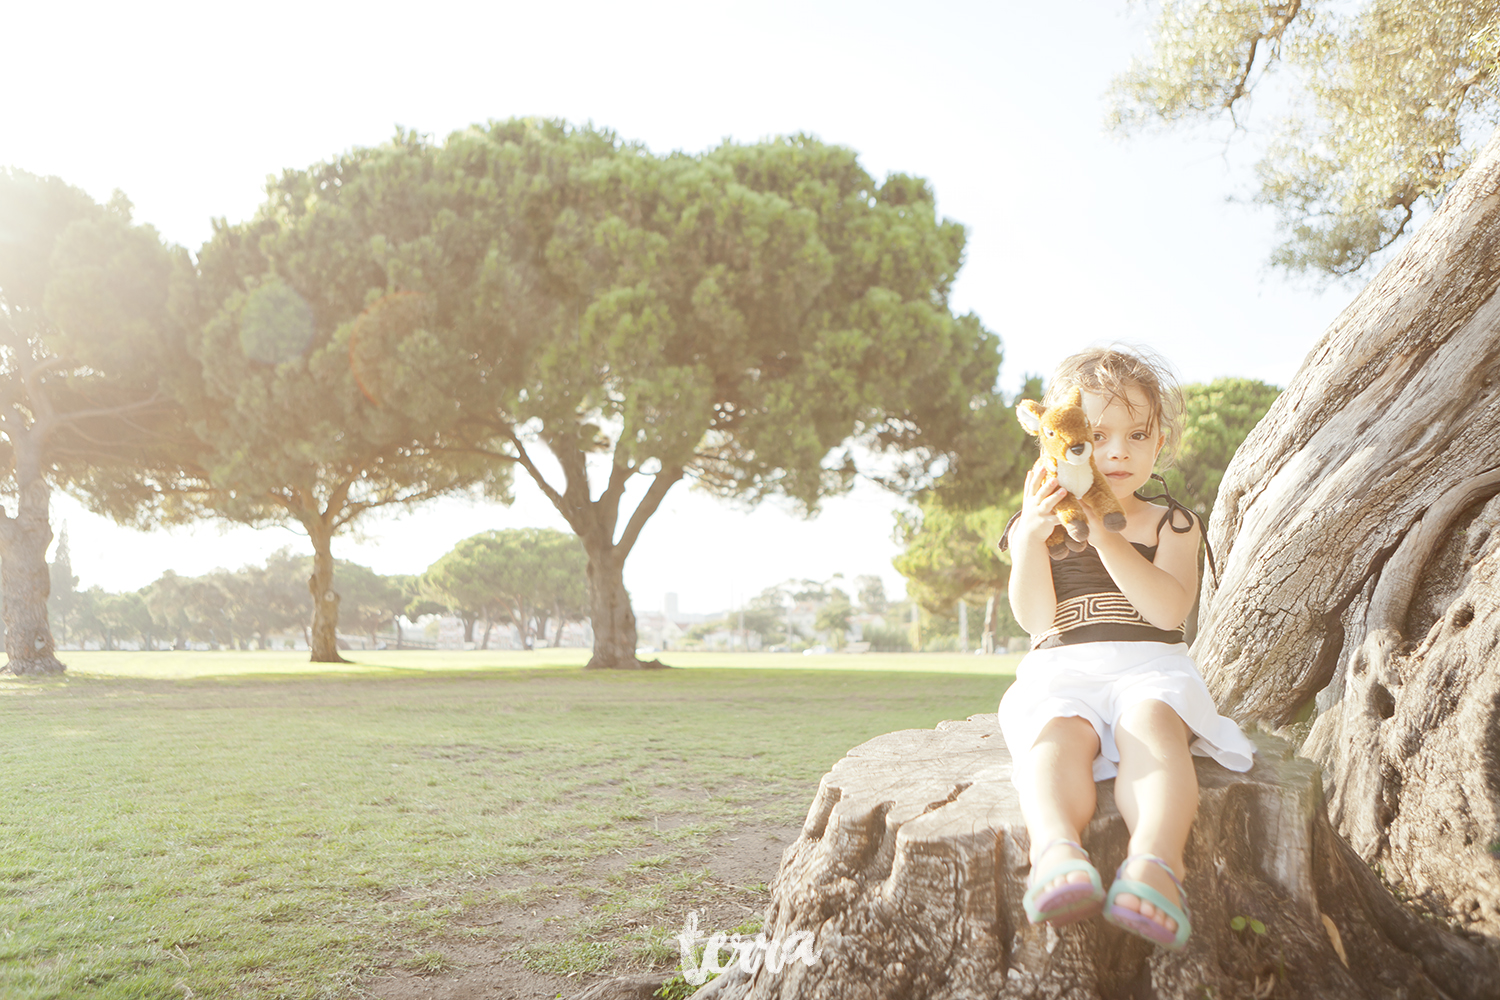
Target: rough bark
(613,618)
(25,581)
(638,986)
(1356,604)
(1384,437)
(1412,747)
(912,862)
(324,642)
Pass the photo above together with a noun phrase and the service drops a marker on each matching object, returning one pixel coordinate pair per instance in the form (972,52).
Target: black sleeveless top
(1090,606)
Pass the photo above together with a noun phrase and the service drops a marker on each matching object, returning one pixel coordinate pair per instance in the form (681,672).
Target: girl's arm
(1162,591)
(1032,599)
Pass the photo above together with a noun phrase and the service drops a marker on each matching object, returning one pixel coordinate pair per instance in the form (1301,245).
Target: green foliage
(93,318)
(370,601)
(871,594)
(1389,102)
(1217,417)
(678,988)
(834,617)
(952,555)
(324,392)
(521,575)
(232,609)
(744,318)
(888,639)
(740,314)
(1240,923)
(951,540)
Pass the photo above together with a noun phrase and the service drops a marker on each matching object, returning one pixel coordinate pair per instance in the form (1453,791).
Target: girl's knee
(1154,720)
(1070,731)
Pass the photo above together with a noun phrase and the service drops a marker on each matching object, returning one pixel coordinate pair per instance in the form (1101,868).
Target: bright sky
(1075,236)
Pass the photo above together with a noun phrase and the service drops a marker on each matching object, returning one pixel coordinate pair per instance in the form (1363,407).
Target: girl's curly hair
(1112,372)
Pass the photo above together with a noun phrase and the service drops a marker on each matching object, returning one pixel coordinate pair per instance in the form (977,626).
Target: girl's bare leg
(1057,799)
(1157,793)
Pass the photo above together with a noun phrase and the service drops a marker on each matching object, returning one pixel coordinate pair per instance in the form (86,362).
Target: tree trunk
(1357,577)
(912,862)
(1411,745)
(594,522)
(25,580)
(614,621)
(987,642)
(324,642)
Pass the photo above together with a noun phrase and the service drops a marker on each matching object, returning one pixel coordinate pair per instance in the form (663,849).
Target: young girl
(1108,689)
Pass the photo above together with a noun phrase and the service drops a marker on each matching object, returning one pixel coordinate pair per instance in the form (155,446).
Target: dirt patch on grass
(552,933)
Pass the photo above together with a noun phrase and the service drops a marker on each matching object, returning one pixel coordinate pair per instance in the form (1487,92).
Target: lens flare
(276,324)
(374,338)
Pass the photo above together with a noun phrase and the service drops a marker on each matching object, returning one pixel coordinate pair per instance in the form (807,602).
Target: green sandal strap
(1158,862)
(1177,911)
(1062,840)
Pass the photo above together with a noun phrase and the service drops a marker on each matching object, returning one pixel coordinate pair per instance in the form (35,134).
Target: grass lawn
(238,824)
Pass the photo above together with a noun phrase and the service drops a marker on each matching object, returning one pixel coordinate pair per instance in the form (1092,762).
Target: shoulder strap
(1169,520)
(1005,535)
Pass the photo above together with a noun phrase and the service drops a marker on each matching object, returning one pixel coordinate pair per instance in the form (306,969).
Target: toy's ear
(1075,398)
(1029,412)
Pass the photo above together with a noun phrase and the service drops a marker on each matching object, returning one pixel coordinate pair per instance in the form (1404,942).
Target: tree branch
(526,463)
(1279,25)
(609,500)
(41,403)
(111,411)
(660,484)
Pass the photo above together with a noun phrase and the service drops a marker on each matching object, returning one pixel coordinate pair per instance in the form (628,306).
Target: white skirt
(1098,681)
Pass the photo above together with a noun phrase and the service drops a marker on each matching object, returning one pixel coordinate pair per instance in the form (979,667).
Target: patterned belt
(1093,609)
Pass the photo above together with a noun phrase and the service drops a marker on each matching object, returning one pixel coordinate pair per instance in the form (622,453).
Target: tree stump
(912,862)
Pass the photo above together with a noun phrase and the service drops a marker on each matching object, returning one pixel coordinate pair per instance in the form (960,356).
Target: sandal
(1139,924)
(1067,903)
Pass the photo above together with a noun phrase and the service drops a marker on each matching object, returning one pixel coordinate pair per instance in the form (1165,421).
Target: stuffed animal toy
(1067,442)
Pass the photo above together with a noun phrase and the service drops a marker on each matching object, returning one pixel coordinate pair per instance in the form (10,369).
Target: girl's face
(1125,443)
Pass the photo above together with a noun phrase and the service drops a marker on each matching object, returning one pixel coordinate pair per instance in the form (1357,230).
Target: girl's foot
(1140,870)
(1136,905)
(1064,886)
(1054,854)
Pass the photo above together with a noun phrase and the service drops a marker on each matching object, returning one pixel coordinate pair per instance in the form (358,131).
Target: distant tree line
(527,578)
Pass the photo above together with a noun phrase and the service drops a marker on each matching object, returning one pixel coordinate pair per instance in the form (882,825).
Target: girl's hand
(1096,523)
(1039,499)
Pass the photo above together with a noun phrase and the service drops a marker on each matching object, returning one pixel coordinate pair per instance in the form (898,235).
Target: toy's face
(1125,442)
(1066,435)
(1063,430)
